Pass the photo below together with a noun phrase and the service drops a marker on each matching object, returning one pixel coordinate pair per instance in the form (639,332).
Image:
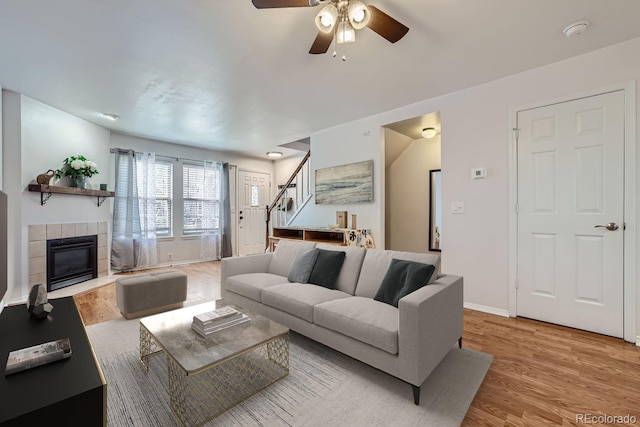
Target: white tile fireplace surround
(40,233)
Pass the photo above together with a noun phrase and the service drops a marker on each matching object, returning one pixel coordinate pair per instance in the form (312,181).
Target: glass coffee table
(207,376)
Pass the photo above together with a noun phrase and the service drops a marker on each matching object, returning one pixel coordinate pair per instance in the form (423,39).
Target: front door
(571,213)
(253,194)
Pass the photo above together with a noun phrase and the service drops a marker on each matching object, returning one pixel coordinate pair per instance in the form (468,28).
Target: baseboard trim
(486,309)
(638,340)
(177,263)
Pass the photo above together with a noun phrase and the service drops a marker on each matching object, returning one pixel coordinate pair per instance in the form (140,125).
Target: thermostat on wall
(478,173)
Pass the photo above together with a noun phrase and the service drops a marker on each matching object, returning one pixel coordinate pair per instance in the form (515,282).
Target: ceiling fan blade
(266,4)
(385,25)
(321,43)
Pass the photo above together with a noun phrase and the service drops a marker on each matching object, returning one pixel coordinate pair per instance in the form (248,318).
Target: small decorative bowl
(332,226)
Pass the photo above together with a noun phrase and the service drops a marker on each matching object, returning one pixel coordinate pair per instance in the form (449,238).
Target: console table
(334,236)
(70,392)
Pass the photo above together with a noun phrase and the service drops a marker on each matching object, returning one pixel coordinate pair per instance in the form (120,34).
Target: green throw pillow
(402,278)
(302,266)
(327,268)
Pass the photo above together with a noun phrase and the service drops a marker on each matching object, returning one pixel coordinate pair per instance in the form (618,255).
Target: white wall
(350,143)
(11,158)
(185,249)
(37,138)
(475,133)
(394,145)
(407,194)
(284,168)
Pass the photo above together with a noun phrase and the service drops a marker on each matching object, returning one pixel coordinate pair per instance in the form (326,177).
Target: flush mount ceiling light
(576,28)
(339,19)
(429,132)
(274,154)
(112,117)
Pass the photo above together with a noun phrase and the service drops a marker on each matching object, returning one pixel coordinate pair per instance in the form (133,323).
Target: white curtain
(125,211)
(133,243)
(211,211)
(227,249)
(145,243)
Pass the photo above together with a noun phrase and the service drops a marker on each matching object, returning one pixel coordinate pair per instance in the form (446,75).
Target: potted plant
(78,169)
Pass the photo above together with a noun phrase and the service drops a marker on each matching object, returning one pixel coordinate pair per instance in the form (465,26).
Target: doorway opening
(409,159)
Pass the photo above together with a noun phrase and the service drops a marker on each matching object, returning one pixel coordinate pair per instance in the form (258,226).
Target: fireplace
(71,260)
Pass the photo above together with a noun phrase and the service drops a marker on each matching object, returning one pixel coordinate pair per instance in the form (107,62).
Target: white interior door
(253,196)
(570,186)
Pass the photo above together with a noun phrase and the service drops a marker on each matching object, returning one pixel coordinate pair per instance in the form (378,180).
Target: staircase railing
(291,198)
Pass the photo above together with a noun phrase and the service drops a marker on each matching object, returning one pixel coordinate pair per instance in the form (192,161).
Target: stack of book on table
(206,324)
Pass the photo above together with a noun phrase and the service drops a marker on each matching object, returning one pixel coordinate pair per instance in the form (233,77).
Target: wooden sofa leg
(460,342)
(416,394)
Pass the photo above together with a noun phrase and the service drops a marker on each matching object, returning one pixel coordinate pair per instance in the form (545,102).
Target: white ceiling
(224,75)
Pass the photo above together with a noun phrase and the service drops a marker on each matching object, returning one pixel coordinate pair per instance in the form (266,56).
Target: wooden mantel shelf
(49,189)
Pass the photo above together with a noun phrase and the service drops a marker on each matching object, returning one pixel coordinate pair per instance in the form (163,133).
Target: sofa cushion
(402,278)
(327,268)
(364,319)
(303,266)
(350,269)
(285,253)
(298,299)
(376,263)
(251,285)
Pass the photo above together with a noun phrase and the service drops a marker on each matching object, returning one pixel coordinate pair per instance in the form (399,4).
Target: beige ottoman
(149,293)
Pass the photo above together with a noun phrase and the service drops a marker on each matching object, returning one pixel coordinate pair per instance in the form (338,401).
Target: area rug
(324,387)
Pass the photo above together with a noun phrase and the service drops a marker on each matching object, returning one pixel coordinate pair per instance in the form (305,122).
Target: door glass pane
(255,195)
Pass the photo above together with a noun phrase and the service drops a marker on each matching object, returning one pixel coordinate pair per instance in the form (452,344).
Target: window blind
(164,197)
(201,190)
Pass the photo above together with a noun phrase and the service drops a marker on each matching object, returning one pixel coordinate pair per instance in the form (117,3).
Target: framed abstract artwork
(345,184)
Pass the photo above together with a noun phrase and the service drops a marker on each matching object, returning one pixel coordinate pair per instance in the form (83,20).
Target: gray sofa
(407,342)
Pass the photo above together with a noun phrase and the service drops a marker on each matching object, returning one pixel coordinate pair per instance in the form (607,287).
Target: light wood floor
(99,305)
(541,375)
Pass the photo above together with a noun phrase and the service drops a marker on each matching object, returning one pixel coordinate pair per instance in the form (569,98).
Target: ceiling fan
(340,19)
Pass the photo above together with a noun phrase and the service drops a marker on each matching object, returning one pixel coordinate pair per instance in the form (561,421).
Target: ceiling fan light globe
(359,14)
(326,18)
(345,33)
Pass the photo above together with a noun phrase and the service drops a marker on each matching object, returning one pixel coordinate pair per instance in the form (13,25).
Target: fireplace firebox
(71,260)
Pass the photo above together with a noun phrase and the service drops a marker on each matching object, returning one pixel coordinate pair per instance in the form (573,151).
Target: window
(201,192)
(255,196)
(164,193)
(163,179)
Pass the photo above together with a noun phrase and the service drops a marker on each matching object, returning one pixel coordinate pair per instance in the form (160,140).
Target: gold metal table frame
(199,395)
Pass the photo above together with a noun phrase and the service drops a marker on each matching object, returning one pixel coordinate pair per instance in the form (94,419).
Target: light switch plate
(457,207)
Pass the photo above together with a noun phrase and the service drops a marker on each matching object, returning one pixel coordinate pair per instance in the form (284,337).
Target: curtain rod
(123,151)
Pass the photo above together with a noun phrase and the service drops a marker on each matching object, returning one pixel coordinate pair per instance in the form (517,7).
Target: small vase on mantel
(79,182)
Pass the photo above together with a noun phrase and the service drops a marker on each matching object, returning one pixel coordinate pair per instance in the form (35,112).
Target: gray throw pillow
(327,268)
(302,266)
(402,278)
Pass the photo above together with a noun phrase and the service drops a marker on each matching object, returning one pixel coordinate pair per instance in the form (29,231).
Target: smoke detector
(576,28)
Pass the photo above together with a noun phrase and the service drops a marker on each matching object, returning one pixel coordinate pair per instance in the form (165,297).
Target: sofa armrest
(243,265)
(430,323)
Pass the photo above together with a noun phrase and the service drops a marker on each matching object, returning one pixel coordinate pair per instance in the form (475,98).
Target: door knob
(612,226)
